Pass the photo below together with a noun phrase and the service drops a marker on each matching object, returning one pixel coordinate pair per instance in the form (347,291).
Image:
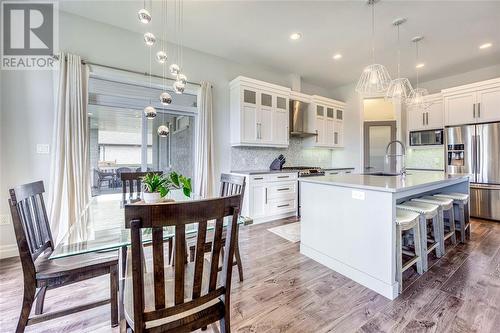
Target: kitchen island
(348,221)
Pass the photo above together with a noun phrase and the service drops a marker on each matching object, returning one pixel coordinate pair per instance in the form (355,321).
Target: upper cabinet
(259,113)
(430,118)
(473,103)
(326,118)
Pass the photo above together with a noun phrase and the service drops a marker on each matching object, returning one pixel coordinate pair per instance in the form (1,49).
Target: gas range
(306,171)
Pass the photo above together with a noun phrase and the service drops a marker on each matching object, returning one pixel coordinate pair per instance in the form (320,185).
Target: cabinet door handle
(258,178)
(316,136)
(281,206)
(266,195)
(283,176)
(423,118)
(474,110)
(479,110)
(283,189)
(427,118)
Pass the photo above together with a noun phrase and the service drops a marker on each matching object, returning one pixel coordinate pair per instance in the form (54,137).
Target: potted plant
(157,186)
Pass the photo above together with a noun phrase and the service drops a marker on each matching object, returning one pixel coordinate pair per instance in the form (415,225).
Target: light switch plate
(42,148)
(358,195)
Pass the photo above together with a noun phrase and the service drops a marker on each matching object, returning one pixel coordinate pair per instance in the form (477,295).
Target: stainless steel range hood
(298,119)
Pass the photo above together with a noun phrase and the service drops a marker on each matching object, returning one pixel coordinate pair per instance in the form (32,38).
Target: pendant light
(144,15)
(416,100)
(180,79)
(375,78)
(399,88)
(165,97)
(150,111)
(163,130)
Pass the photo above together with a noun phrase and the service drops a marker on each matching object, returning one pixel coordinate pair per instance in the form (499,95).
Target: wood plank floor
(284,291)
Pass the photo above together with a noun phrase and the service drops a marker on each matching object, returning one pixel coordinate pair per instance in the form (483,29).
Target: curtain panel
(204,155)
(70,171)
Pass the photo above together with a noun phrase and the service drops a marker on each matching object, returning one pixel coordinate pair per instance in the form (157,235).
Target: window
(122,139)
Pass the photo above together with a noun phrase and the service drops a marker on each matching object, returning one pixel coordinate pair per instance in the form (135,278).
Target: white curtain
(70,171)
(204,156)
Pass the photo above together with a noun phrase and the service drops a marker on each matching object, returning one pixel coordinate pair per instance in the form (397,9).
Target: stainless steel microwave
(426,138)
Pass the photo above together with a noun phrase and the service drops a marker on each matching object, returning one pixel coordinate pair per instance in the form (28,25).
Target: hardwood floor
(284,291)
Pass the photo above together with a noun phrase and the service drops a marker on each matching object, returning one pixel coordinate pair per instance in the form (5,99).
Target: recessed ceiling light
(485,45)
(420,65)
(295,36)
(337,56)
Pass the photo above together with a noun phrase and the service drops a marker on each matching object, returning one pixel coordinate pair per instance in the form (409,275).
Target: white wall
(27,105)
(351,155)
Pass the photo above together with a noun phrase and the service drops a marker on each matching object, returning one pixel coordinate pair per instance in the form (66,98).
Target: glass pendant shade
(374,80)
(174,69)
(163,131)
(182,79)
(417,99)
(161,57)
(150,112)
(178,87)
(399,88)
(144,16)
(149,39)
(165,98)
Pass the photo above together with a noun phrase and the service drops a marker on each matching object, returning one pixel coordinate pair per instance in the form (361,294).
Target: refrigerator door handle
(479,110)
(474,110)
(478,156)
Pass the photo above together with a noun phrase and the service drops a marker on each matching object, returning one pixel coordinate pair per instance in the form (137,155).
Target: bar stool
(427,212)
(446,207)
(407,220)
(461,204)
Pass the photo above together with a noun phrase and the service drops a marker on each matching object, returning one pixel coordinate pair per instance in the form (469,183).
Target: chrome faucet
(403,155)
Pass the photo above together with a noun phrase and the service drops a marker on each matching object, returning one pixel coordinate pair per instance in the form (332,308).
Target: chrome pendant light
(150,111)
(416,100)
(399,88)
(143,14)
(180,79)
(165,98)
(375,78)
(163,131)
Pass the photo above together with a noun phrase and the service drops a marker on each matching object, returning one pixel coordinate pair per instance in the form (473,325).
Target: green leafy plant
(163,184)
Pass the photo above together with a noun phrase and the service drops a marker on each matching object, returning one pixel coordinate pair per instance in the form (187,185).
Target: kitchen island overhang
(347,221)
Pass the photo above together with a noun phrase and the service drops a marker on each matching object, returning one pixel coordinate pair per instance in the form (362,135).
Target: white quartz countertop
(413,180)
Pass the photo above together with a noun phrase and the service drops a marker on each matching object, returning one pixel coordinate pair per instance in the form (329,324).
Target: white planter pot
(151,197)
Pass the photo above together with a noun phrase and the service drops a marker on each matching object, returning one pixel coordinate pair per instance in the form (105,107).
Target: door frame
(366,143)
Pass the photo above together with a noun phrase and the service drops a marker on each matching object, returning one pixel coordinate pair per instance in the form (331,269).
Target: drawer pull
(283,189)
(281,206)
(283,176)
(258,178)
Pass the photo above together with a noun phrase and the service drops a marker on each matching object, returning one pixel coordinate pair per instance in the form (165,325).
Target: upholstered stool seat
(407,220)
(427,212)
(461,212)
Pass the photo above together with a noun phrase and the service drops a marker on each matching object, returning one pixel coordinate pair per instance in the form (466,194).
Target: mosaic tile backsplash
(258,158)
(425,158)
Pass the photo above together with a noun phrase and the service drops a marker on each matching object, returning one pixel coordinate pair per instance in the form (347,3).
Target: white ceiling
(256,32)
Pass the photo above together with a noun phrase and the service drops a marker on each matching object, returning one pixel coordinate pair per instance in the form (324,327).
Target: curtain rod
(86,62)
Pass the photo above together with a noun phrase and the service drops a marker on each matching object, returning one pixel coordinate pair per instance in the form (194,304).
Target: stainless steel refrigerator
(475,150)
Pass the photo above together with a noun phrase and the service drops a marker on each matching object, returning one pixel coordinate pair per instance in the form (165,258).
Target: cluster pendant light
(375,78)
(416,100)
(176,69)
(399,88)
(161,57)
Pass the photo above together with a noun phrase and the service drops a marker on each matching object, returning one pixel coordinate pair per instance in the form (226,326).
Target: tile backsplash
(257,158)
(425,158)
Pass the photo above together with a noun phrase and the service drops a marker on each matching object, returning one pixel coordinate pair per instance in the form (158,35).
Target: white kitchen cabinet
(326,118)
(473,103)
(338,134)
(270,196)
(259,113)
(429,118)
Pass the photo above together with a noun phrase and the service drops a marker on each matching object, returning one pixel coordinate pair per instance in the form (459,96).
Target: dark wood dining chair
(186,296)
(229,185)
(35,244)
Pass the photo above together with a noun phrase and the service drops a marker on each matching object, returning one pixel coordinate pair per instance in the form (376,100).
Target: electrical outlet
(42,148)
(359,195)
(4,219)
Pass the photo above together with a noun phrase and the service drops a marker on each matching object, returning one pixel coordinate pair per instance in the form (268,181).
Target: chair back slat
(216,247)
(158,268)
(179,263)
(131,184)
(231,185)
(199,258)
(205,287)
(31,216)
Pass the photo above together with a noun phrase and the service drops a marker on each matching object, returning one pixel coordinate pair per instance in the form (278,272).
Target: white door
(258,200)
(280,127)
(488,107)
(249,124)
(434,117)
(416,119)
(459,109)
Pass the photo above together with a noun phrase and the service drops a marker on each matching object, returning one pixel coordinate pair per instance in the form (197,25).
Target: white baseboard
(7,251)
(264,219)
(386,290)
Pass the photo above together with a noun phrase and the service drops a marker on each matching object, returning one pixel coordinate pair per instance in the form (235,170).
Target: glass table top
(102,228)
